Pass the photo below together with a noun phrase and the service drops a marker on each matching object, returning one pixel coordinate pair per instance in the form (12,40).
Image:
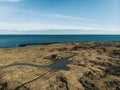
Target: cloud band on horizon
(25,27)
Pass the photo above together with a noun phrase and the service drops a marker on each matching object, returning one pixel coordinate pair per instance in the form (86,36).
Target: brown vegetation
(92,66)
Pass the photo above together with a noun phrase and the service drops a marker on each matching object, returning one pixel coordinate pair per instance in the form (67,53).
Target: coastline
(7,41)
(37,44)
(90,63)
(31,44)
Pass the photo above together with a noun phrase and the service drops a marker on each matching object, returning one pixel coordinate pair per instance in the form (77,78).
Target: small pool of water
(60,65)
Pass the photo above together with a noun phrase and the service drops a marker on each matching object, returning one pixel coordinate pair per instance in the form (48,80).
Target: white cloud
(23,27)
(74,18)
(12,13)
(10,0)
(68,17)
(9,16)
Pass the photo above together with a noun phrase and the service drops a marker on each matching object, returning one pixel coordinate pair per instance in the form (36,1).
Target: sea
(7,41)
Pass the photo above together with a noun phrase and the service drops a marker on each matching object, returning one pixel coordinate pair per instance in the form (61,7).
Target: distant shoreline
(36,44)
(31,44)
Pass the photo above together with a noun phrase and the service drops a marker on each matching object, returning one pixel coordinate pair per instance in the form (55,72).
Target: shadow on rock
(3,86)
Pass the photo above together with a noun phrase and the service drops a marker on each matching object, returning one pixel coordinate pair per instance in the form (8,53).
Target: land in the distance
(87,66)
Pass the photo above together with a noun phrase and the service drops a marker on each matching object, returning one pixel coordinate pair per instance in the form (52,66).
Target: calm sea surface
(16,40)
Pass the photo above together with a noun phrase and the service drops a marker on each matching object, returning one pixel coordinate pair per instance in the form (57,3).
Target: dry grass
(94,66)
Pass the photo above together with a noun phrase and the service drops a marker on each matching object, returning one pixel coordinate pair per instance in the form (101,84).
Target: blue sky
(60,16)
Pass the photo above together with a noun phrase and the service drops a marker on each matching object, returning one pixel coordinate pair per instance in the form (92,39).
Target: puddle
(60,65)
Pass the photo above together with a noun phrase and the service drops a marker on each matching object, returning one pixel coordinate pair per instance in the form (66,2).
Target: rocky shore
(69,66)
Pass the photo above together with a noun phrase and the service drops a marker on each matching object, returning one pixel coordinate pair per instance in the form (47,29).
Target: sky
(59,16)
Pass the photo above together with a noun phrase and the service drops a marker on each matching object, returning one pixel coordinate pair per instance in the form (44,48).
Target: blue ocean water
(16,40)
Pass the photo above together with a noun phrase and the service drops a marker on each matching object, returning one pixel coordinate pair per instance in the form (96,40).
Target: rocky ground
(92,66)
